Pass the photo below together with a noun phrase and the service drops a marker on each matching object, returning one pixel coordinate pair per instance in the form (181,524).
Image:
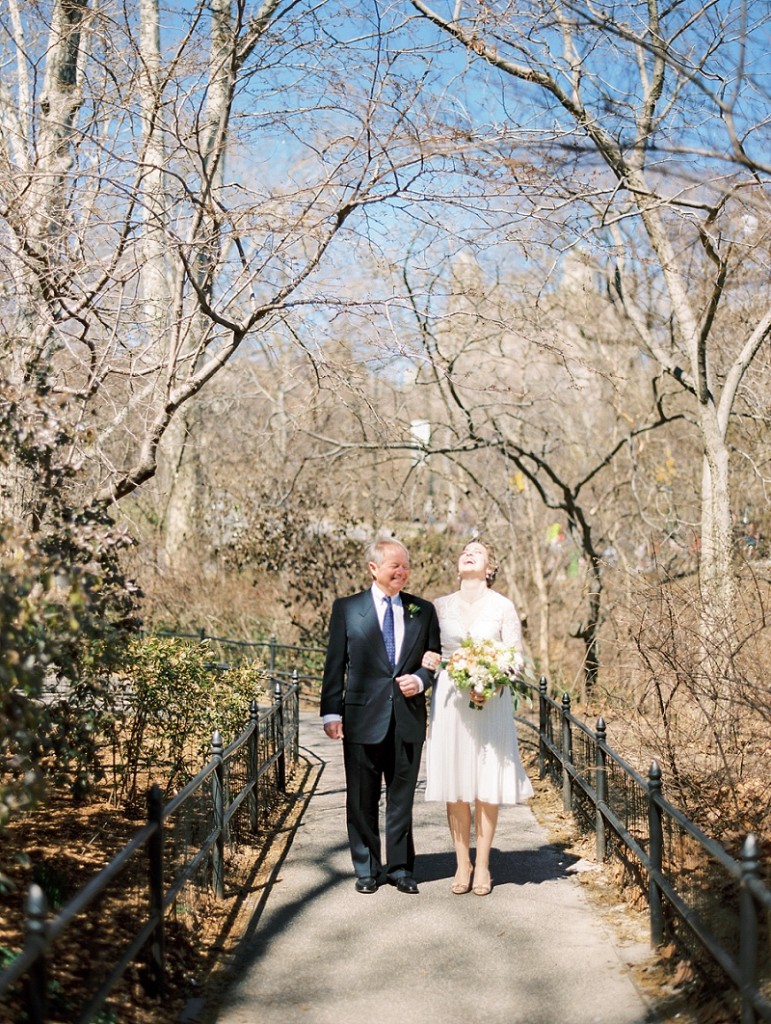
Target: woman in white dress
(472,754)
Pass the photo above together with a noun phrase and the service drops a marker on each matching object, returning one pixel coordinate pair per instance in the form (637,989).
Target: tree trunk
(184,483)
(588,630)
(35,265)
(716,574)
(154,274)
(539,581)
(182,521)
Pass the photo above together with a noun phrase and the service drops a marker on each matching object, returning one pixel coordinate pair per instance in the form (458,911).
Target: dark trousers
(367,767)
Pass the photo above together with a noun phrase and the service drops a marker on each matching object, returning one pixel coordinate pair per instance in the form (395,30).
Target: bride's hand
(431,661)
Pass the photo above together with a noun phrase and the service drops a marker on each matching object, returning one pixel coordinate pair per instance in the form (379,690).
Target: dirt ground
(62,847)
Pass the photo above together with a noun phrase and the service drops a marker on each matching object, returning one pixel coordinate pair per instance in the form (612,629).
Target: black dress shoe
(406,884)
(366,884)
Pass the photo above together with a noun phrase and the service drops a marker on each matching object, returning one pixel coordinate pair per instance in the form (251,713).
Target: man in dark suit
(373,699)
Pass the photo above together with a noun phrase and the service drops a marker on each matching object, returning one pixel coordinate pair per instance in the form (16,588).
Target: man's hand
(334,730)
(409,685)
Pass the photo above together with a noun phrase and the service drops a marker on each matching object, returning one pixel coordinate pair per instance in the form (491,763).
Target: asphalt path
(537,950)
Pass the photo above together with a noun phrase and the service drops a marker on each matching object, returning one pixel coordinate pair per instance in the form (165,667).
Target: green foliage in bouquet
(485,666)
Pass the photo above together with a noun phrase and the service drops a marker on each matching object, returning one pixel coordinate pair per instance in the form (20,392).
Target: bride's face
(473,561)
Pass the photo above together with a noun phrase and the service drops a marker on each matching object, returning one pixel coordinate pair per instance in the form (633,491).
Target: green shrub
(58,627)
(176,696)
(65,606)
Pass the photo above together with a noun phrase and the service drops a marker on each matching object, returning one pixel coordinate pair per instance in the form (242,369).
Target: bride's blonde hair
(492,565)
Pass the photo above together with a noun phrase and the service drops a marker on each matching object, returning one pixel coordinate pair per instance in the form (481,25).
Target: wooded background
(279,276)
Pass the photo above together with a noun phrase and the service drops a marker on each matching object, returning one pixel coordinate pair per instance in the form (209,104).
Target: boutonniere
(413,610)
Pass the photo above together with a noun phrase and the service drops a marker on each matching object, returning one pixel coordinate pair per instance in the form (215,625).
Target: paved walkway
(535,951)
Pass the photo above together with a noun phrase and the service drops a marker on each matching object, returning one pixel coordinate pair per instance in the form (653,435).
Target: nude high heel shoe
(459,888)
(483,890)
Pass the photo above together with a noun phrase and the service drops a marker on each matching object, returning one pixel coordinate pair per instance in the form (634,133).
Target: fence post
(295,724)
(748,928)
(280,736)
(272,648)
(254,761)
(36,982)
(157,945)
(218,807)
(601,789)
(656,854)
(567,754)
(542,720)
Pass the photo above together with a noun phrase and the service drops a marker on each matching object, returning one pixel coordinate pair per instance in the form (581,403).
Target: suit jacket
(358,681)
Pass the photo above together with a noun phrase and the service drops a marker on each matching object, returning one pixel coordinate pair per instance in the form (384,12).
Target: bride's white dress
(472,754)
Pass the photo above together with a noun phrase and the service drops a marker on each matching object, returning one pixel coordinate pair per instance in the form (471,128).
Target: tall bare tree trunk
(184,511)
(717,572)
(155,286)
(539,581)
(36,256)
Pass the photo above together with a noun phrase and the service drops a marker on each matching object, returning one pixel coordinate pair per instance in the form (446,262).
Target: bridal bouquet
(484,666)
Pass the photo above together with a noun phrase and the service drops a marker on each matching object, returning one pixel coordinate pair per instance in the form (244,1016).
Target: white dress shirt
(380,607)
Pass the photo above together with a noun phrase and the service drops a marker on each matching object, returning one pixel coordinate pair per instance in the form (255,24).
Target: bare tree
(168,198)
(628,112)
(539,391)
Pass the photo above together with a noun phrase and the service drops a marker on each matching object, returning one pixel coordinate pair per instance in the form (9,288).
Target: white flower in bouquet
(484,666)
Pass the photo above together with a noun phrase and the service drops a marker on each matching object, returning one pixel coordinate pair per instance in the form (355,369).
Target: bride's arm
(511,631)
(432,660)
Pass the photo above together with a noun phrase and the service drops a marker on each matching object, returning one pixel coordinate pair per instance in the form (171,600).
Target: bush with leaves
(57,649)
(65,611)
(175,697)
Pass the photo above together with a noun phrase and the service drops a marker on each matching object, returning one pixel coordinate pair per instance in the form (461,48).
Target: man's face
(393,572)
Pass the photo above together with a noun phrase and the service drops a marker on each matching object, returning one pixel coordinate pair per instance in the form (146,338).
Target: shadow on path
(533,952)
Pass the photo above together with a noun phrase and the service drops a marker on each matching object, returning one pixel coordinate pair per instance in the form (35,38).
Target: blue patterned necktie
(388,631)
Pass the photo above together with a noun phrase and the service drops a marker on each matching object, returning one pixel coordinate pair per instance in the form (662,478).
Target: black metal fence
(183,844)
(715,907)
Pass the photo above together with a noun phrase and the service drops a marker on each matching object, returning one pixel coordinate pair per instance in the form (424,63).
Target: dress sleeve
(511,630)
